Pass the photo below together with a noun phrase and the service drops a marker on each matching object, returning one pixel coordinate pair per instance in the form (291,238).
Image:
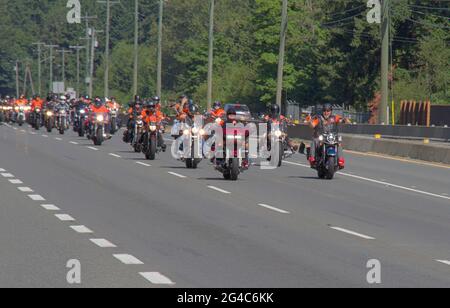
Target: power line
(343,19)
(429,7)
(428,24)
(428,14)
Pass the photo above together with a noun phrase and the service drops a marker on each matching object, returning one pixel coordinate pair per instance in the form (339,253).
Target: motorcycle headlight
(186,132)
(195,130)
(38,110)
(49,113)
(62,112)
(218,120)
(321,138)
(100,118)
(152,128)
(278,133)
(139,123)
(21,108)
(331,138)
(82,112)
(202,132)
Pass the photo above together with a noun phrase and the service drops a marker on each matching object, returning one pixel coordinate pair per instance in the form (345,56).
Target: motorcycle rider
(37,103)
(99,108)
(151,114)
(217,112)
(277,117)
(325,122)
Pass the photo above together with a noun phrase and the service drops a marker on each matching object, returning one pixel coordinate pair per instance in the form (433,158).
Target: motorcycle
(79,121)
(97,128)
(114,124)
(138,131)
(194,137)
(235,160)
(37,119)
(49,120)
(20,115)
(150,140)
(61,120)
(327,155)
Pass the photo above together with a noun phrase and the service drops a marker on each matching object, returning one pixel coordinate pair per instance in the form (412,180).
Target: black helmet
(327,107)
(231,114)
(193,109)
(98,102)
(217,105)
(275,110)
(137,98)
(150,105)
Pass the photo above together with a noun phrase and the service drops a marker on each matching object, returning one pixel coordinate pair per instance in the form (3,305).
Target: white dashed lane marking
(114,155)
(64,217)
(177,175)
(81,229)
(102,243)
(16,181)
(128,259)
(219,189)
(50,207)
(45,136)
(36,197)
(366,237)
(7,175)
(143,164)
(157,278)
(25,189)
(2,170)
(92,148)
(446,262)
(59,139)
(73,142)
(273,208)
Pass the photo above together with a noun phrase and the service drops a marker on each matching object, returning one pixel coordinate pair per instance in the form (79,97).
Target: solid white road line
(157,278)
(81,229)
(7,175)
(353,233)
(114,155)
(128,259)
(64,217)
(143,164)
(102,243)
(25,189)
(273,208)
(444,262)
(36,197)
(92,148)
(178,175)
(219,190)
(380,182)
(16,181)
(50,207)
(73,142)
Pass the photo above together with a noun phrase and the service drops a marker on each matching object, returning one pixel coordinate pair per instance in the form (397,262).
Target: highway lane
(203,237)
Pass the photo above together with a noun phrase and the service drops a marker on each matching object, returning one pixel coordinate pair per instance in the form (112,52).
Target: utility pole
(284,24)
(63,53)
(211,54)
(17,79)
(91,70)
(39,44)
(108,25)
(160,30)
(136,47)
(385,28)
(78,48)
(51,65)
(87,39)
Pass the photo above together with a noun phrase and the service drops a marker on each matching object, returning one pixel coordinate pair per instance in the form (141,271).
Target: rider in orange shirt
(22,101)
(37,102)
(151,115)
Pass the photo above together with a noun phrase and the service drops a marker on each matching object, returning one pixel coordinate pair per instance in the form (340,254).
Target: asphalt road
(191,228)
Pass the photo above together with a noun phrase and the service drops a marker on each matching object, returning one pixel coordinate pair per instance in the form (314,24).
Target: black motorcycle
(327,155)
